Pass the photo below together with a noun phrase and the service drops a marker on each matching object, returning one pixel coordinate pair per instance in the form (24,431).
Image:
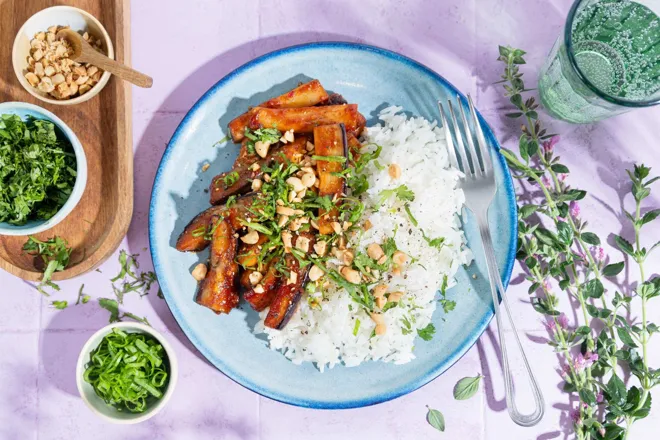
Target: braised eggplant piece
(335,99)
(305,95)
(330,141)
(195,238)
(354,146)
(231,183)
(269,287)
(303,120)
(294,151)
(287,296)
(218,290)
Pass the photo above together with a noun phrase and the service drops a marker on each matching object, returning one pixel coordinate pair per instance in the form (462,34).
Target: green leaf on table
(467,387)
(624,245)
(111,306)
(559,168)
(625,337)
(593,288)
(435,419)
(613,269)
(513,115)
(590,238)
(59,305)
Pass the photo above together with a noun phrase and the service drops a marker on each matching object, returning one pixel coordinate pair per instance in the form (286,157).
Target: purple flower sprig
(562,258)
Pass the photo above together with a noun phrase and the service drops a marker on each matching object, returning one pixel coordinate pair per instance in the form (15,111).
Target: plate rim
(440,368)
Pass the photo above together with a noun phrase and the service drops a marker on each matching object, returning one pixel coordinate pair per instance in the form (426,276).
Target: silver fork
(478,184)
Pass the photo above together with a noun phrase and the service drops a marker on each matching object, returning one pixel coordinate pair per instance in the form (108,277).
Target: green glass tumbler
(606,62)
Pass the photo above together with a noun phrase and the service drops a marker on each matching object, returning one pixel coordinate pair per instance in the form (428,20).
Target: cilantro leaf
(37,170)
(427,332)
(401,192)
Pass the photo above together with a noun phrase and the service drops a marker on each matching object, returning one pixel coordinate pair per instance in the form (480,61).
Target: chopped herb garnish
(447,304)
(356,327)
(427,332)
(401,192)
(413,220)
(112,306)
(230,201)
(56,255)
(340,159)
(59,305)
(437,243)
(37,170)
(129,280)
(82,298)
(257,227)
(407,326)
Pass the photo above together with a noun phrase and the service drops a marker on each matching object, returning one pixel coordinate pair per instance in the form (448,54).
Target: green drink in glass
(607,61)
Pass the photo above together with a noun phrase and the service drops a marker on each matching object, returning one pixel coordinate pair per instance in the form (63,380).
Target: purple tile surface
(198,42)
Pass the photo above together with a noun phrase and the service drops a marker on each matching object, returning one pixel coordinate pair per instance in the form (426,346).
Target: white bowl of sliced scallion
(126,372)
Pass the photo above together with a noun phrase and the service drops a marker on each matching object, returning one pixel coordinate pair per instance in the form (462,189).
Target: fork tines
(472,167)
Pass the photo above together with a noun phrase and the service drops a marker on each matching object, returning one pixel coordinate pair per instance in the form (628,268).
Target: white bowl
(96,404)
(75,18)
(24,110)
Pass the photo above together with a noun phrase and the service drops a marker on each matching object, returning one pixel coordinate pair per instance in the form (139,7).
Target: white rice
(325,336)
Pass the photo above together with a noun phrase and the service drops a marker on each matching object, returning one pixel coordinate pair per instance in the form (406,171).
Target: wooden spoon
(83,52)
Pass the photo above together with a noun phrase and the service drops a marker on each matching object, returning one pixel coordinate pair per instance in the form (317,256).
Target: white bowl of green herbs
(126,372)
(43,169)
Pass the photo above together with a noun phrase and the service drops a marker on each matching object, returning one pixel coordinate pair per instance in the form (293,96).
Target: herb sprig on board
(37,170)
(56,255)
(564,260)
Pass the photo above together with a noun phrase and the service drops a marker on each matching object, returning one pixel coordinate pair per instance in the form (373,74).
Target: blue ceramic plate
(372,78)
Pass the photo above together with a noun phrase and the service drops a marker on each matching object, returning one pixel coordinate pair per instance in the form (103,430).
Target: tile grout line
(41,314)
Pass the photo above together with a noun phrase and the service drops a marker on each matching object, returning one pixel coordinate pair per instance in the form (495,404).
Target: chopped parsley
(270,135)
(407,326)
(59,305)
(412,218)
(82,297)
(401,192)
(128,280)
(427,332)
(447,304)
(55,253)
(37,170)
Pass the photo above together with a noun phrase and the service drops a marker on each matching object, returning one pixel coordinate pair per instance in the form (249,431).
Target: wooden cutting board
(103,124)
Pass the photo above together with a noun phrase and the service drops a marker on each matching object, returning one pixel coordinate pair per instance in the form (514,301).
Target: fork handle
(495,284)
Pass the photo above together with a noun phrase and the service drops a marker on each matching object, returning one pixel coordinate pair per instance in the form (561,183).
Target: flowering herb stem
(559,254)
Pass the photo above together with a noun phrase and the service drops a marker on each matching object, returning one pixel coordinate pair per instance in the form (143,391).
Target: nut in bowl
(138,385)
(41,61)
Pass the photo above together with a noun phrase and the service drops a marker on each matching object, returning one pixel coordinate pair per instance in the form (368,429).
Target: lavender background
(187,46)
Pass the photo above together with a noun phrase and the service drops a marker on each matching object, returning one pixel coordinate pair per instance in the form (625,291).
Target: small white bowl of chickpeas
(41,61)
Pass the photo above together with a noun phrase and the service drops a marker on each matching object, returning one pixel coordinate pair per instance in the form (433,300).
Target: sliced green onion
(127,370)
(341,159)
